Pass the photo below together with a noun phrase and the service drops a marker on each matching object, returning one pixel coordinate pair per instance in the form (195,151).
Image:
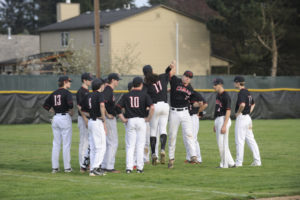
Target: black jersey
(81,93)
(60,100)
(223,103)
(159,91)
(180,94)
(244,96)
(109,100)
(196,97)
(135,103)
(94,100)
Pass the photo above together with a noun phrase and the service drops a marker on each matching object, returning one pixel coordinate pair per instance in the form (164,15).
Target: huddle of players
(146,102)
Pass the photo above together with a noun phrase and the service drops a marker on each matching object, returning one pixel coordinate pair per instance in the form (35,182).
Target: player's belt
(179,109)
(60,113)
(95,118)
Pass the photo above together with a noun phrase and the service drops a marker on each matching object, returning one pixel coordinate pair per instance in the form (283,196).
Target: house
(15,47)
(133,37)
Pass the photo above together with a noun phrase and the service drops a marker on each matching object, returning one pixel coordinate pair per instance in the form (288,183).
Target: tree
(18,15)
(254,27)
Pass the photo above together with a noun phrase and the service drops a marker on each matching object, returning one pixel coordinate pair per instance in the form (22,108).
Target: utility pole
(97,36)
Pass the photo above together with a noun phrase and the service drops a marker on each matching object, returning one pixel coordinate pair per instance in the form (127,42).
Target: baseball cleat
(68,170)
(232,166)
(97,172)
(171,164)
(187,161)
(128,171)
(139,171)
(255,164)
(154,159)
(54,171)
(193,160)
(83,169)
(162,157)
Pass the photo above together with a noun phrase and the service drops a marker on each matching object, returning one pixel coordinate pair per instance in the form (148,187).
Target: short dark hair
(61,84)
(96,84)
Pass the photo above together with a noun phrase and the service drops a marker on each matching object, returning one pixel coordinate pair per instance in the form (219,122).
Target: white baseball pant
(111,144)
(62,132)
(135,140)
(195,121)
(147,143)
(83,141)
(222,141)
(243,131)
(159,121)
(183,118)
(97,140)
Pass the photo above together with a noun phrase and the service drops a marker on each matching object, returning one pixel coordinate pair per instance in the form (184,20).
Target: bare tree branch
(262,41)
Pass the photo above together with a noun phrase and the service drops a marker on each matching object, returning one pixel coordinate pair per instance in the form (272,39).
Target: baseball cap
(188,74)
(137,81)
(130,85)
(86,76)
(96,84)
(64,78)
(218,81)
(114,76)
(239,79)
(147,69)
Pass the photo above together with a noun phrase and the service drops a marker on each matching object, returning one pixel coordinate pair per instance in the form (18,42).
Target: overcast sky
(140,3)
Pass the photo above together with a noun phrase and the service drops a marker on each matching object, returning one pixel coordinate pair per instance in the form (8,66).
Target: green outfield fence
(22,96)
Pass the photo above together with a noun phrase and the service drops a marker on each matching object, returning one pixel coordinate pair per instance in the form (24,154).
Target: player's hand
(147,119)
(237,114)
(105,129)
(223,129)
(125,120)
(86,121)
(214,129)
(109,116)
(173,64)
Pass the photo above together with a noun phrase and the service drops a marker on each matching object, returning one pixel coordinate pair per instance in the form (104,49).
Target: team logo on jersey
(218,102)
(183,89)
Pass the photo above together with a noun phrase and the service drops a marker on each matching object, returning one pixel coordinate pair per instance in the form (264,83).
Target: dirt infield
(283,198)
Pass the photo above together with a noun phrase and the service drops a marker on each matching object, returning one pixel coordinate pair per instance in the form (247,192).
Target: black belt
(95,118)
(179,109)
(61,113)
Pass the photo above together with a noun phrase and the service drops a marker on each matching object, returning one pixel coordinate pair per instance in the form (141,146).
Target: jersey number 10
(134,102)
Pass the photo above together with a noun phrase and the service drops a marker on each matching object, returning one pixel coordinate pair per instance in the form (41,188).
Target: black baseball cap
(137,81)
(96,84)
(86,76)
(64,78)
(218,81)
(239,79)
(188,74)
(147,69)
(114,76)
(130,85)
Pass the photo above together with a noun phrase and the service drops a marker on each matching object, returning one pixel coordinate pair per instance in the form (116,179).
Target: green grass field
(25,168)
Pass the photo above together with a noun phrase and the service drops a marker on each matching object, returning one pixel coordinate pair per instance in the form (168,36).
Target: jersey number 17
(157,86)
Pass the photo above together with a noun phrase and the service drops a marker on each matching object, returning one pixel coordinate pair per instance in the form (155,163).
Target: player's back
(134,103)
(60,100)
(158,91)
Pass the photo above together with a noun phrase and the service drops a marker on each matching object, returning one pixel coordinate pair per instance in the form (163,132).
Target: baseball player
(223,123)
(96,126)
(86,79)
(135,104)
(243,125)
(62,103)
(196,108)
(108,163)
(181,91)
(156,86)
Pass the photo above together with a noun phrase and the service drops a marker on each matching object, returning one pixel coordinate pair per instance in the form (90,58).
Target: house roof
(86,20)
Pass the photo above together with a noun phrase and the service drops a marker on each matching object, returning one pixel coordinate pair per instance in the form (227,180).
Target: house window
(64,39)
(94,39)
